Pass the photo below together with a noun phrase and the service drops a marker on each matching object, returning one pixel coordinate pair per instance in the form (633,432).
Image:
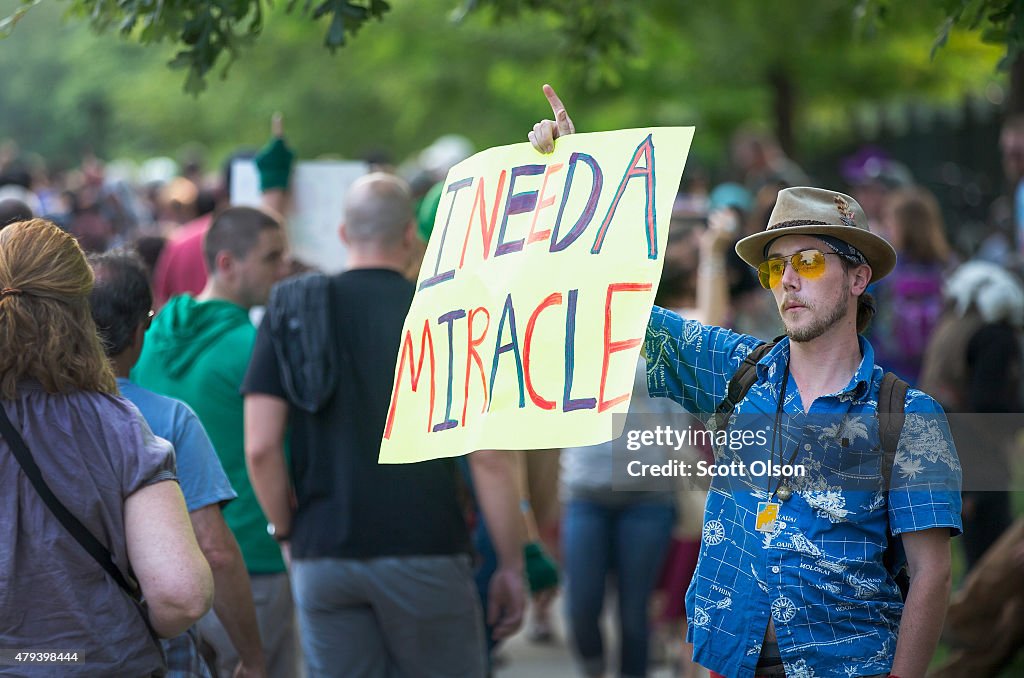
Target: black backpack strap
(892,398)
(741,381)
(79,531)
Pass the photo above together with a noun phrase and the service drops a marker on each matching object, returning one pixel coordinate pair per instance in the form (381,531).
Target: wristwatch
(278,537)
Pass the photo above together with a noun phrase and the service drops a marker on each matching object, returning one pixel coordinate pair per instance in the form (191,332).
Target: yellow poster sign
(535,289)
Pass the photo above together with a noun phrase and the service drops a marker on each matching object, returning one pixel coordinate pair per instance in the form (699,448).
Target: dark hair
(866,306)
(206,202)
(236,230)
(12,211)
(865,312)
(149,247)
(17,174)
(120,298)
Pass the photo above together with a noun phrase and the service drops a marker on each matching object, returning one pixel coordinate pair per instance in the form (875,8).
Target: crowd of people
(219,476)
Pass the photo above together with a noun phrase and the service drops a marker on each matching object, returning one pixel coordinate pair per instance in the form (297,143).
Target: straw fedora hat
(815,211)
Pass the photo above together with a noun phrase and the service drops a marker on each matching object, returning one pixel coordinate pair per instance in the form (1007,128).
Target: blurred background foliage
(813,72)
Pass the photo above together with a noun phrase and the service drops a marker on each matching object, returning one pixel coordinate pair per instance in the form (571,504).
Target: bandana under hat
(840,247)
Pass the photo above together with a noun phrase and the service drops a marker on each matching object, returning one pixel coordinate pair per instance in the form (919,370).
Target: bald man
(381,571)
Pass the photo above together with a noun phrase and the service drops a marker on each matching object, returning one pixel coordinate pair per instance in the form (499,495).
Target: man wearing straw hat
(796,575)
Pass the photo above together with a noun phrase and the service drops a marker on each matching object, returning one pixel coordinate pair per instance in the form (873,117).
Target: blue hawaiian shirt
(818,569)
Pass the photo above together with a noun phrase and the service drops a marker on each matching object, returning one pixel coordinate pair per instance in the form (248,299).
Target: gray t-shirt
(598,472)
(93,450)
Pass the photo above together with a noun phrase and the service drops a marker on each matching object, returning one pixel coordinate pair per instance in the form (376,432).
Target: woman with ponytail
(67,441)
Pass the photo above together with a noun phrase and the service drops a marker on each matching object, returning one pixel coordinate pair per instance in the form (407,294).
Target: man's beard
(820,325)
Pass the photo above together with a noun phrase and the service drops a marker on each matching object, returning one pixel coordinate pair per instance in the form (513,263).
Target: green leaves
(416,75)
(209,32)
(206,32)
(598,38)
(8,23)
(344,17)
(1001,22)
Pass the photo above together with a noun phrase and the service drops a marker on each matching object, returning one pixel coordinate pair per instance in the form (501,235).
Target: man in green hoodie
(198,350)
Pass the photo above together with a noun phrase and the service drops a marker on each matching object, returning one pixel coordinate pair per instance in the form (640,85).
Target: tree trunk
(1015,97)
(783,107)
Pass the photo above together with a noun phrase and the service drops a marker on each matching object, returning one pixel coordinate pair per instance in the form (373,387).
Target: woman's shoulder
(75,410)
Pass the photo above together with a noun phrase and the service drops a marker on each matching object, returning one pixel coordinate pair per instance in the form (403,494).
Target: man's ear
(224,262)
(411,234)
(861,279)
(343,234)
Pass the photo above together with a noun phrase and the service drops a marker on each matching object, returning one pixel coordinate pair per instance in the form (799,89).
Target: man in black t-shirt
(379,553)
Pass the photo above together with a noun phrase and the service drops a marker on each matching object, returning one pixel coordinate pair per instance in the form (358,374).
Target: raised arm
(274,163)
(172,572)
(546,131)
(712,274)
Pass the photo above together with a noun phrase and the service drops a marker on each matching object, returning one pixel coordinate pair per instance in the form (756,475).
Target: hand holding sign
(546,131)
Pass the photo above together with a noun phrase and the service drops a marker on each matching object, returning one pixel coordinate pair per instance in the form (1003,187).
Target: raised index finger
(562,120)
(556,104)
(277,125)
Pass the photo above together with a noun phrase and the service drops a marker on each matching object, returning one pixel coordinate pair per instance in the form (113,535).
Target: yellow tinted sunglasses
(810,264)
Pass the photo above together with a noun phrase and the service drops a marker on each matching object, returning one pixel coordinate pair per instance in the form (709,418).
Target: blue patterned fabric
(818,573)
(184,659)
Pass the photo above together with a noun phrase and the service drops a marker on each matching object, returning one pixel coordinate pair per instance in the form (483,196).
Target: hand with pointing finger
(546,131)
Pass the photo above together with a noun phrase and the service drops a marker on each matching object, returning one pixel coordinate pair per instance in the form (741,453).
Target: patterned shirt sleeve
(689,362)
(924,490)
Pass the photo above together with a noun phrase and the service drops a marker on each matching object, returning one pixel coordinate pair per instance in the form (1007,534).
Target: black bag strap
(742,380)
(80,532)
(892,399)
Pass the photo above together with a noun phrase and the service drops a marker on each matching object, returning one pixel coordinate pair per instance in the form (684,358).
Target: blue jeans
(630,540)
